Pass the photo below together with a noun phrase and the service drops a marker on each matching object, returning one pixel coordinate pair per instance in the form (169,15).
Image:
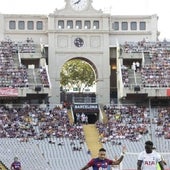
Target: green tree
(77,73)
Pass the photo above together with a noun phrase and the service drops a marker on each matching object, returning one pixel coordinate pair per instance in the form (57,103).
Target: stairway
(132,77)
(37,76)
(105,119)
(148,59)
(70,116)
(2,166)
(30,73)
(92,139)
(16,60)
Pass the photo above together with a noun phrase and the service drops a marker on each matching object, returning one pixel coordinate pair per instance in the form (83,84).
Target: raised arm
(119,160)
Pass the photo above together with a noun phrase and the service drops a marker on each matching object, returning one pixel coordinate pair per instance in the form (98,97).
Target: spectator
(16,165)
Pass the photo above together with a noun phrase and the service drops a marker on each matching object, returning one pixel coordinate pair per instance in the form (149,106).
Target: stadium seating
(45,138)
(155,65)
(12,72)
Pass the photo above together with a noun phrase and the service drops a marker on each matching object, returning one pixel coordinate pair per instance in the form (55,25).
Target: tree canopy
(77,73)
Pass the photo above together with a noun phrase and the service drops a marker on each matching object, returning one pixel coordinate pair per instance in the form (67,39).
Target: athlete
(103,163)
(16,165)
(116,167)
(163,160)
(149,158)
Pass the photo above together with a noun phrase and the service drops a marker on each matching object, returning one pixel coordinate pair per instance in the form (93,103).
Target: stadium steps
(132,78)
(31,76)
(37,76)
(105,119)
(147,59)
(92,139)
(34,77)
(70,116)
(138,78)
(2,166)
(16,60)
(103,112)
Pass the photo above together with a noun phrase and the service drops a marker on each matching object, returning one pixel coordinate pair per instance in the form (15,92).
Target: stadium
(51,129)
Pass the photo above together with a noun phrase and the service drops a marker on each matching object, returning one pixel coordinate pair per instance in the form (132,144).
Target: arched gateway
(74,37)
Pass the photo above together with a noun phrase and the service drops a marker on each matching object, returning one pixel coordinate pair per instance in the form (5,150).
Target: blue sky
(116,7)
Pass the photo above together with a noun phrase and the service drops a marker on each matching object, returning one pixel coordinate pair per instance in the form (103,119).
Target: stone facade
(99,31)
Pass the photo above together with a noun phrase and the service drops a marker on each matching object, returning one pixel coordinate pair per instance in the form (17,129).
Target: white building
(80,31)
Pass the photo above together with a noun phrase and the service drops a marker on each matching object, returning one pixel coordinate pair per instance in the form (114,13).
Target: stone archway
(100,64)
(70,95)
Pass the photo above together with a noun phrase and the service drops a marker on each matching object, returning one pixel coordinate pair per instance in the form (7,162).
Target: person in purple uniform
(101,162)
(16,165)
